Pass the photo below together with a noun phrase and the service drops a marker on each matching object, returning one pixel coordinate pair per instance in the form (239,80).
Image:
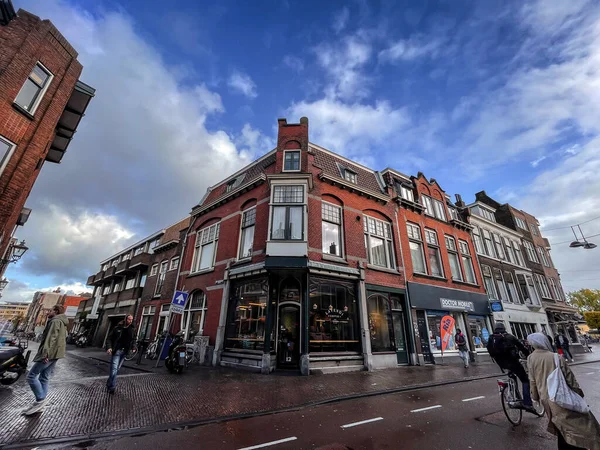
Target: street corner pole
(162,349)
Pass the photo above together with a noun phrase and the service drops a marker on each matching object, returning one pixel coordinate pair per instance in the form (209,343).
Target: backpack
(497,346)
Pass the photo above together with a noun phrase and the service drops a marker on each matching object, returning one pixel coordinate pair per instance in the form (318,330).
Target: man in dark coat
(120,343)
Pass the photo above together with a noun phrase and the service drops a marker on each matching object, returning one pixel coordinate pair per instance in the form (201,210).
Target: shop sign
(337,313)
(496,306)
(456,305)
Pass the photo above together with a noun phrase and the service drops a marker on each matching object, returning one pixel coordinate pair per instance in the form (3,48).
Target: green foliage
(585,299)
(592,318)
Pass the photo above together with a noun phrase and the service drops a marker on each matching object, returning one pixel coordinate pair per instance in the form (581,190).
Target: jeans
(116,362)
(464,355)
(519,371)
(567,353)
(38,378)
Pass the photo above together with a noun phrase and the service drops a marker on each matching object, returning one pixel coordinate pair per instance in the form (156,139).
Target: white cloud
(17,291)
(254,142)
(293,63)
(243,84)
(340,19)
(409,50)
(536,162)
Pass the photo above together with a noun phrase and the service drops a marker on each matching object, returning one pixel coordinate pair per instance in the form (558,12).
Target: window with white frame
(106,289)
(206,247)
(126,256)
(554,287)
(378,241)
(433,254)
(287,213)
(130,282)
(531,255)
(453,213)
(534,229)
(478,241)
(174,263)
(488,282)
(350,176)
(521,223)
(331,229)
(406,192)
(35,87)
(7,148)
(534,293)
(143,277)
(247,233)
(502,290)
(487,214)
(438,208)
(428,205)
(542,285)
(509,251)
(161,277)
(194,314)
(528,290)
(487,243)
(467,261)
(138,250)
(154,270)
(518,254)
(416,248)
(291,160)
(498,246)
(146,325)
(453,258)
(512,288)
(543,256)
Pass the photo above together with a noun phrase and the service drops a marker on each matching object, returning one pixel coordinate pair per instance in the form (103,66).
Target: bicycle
(512,401)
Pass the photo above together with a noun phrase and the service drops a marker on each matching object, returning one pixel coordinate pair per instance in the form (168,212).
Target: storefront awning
(424,296)
(286,262)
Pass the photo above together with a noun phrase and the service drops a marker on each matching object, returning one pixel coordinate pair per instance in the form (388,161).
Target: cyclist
(504,349)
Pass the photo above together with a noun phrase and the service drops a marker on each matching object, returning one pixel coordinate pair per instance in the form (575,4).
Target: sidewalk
(81,409)
(146,365)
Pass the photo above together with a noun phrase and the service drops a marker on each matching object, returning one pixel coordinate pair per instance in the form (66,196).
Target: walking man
(121,340)
(563,343)
(52,347)
(461,342)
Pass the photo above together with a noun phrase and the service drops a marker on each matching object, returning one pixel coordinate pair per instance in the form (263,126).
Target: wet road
(461,416)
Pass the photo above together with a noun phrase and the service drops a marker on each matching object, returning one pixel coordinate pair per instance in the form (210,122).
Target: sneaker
(111,390)
(37,406)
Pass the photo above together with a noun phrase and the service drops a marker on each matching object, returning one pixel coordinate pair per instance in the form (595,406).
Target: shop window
(378,241)
(247,316)
(194,315)
(416,248)
(453,258)
(247,234)
(331,226)
(380,323)
(333,317)
(146,324)
(434,322)
(479,331)
(433,254)
(467,261)
(488,282)
(205,248)
(287,215)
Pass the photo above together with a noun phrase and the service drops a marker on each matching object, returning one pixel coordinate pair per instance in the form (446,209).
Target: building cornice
(227,197)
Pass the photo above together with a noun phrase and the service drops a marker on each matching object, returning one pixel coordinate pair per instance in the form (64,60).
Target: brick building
(41,104)
(544,282)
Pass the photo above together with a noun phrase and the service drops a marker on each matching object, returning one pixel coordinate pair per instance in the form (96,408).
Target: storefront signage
(338,313)
(446,328)
(456,305)
(496,306)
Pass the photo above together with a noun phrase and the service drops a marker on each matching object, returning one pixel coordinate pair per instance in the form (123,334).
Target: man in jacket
(562,342)
(121,340)
(504,349)
(52,348)
(461,342)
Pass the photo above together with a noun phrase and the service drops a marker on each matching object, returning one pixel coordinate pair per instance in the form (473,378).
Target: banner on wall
(446,328)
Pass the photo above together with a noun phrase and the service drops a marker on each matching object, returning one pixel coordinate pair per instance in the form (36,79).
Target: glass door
(288,336)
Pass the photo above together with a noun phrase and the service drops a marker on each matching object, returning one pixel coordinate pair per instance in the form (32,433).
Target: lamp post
(583,243)
(3,283)
(15,252)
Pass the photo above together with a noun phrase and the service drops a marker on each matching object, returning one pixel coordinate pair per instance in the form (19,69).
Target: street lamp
(15,252)
(3,283)
(577,243)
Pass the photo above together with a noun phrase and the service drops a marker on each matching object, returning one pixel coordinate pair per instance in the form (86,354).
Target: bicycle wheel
(131,354)
(514,415)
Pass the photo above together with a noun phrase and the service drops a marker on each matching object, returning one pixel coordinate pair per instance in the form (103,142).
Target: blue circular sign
(485,334)
(497,306)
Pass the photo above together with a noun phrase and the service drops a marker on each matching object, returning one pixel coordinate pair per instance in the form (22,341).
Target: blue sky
(501,96)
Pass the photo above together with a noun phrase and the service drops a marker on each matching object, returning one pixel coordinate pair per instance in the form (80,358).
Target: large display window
(333,316)
(434,321)
(247,315)
(380,323)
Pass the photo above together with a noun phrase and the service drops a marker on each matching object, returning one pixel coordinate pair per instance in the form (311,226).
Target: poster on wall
(446,328)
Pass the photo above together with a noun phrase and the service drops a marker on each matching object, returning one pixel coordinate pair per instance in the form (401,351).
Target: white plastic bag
(560,393)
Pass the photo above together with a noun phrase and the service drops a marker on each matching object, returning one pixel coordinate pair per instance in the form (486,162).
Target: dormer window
(453,213)
(230,186)
(485,213)
(350,176)
(291,161)
(406,192)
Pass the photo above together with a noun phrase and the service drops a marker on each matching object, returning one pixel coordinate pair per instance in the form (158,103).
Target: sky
(501,96)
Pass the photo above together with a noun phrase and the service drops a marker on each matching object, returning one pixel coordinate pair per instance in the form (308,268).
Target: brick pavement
(80,409)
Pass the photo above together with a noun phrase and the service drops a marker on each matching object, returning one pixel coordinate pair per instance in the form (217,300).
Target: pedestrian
(463,351)
(121,340)
(562,343)
(53,345)
(574,430)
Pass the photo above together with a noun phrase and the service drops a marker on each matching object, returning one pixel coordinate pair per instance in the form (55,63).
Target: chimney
(459,201)
(7,12)
(292,135)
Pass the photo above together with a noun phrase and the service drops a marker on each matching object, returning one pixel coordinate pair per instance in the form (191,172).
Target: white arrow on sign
(180,299)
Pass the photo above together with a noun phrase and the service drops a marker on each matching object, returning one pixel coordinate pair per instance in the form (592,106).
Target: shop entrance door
(288,336)
(400,336)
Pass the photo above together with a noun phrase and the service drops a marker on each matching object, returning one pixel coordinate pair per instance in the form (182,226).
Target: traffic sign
(178,302)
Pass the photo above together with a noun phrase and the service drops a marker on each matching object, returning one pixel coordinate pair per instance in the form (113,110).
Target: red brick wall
(24,41)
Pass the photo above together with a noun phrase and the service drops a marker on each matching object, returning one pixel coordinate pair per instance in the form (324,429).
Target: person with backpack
(461,342)
(504,350)
(575,430)
(562,343)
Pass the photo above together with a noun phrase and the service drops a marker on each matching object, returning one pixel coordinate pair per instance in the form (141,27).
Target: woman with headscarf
(574,430)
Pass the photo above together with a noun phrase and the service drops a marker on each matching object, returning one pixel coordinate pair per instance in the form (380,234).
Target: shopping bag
(560,393)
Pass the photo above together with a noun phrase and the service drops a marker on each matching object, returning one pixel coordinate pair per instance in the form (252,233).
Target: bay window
(205,248)
(287,216)
(247,233)
(453,258)
(416,248)
(378,241)
(488,282)
(467,261)
(331,227)
(433,254)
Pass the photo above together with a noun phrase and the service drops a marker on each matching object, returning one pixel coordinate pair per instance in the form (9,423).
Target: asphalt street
(460,416)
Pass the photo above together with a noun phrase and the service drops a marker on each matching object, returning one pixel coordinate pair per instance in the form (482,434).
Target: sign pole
(162,349)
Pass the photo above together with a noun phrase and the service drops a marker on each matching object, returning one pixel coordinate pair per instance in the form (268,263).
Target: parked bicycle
(512,401)
(155,346)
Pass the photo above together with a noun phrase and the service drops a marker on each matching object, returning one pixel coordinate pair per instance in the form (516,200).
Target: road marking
(425,409)
(590,373)
(268,444)
(350,425)
(474,398)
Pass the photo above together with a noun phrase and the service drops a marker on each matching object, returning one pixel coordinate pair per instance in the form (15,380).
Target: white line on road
(425,409)
(268,444)
(350,425)
(474,398)
(590,373)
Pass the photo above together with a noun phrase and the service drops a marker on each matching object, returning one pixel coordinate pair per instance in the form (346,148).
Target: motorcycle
(176,359)
(13,362)
(81,341)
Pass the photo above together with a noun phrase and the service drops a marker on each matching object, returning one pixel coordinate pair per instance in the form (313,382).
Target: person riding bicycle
(504,350)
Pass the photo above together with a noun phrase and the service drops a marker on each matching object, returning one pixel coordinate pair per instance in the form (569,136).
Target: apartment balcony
(130,294)
(110,272)
(141,261)
(122,267)
(90,280)
(93,280)
(111,298)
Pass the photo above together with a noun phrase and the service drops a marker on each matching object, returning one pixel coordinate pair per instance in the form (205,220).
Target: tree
(592,318)
(585,299)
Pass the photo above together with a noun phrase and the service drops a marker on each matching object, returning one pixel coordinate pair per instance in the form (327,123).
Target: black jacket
(565,340)
(513,346)
(122,338)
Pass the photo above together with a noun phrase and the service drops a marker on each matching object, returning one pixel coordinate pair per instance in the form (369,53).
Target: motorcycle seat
(9,352)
